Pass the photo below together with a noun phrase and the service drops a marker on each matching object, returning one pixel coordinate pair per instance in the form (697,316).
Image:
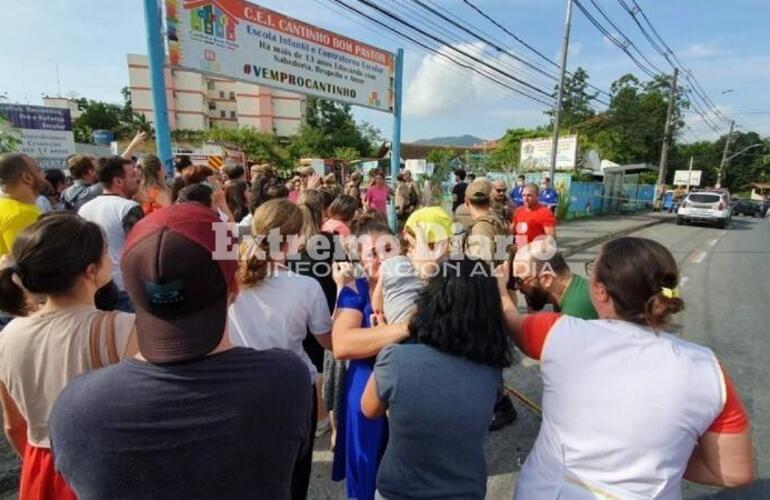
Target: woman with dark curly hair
(440,387)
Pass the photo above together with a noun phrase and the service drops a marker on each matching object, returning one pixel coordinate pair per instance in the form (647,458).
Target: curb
(609,236)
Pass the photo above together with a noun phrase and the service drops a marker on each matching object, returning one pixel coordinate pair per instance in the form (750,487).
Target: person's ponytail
(254,265)
(255,259)
(49,257)
(12,298)
(660,308)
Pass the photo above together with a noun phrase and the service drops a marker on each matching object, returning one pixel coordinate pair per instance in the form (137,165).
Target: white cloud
(440,86)
(575,49)
(607,42)
(704,50)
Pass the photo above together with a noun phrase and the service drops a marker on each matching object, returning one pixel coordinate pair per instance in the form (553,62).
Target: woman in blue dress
(361,441)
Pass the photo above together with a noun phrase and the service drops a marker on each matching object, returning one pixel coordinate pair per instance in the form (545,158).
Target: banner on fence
(46,133)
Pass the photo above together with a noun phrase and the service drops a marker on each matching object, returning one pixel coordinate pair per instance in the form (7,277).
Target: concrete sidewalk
(576,235)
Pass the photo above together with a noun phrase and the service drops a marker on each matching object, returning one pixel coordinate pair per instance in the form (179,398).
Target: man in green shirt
(543,277)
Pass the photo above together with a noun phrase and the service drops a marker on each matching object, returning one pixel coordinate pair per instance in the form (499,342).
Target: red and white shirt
(623,409)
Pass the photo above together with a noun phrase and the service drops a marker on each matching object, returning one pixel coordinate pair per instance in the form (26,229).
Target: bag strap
(95,340)
(132,344)
(103,321)
(112,351)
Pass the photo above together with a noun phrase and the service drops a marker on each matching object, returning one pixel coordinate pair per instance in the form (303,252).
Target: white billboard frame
(535,154)
(688,178)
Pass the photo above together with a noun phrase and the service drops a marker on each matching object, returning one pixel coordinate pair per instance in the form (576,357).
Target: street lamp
(726,159)
(759,144)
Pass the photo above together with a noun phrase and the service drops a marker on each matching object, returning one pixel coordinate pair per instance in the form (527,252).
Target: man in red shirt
(532,219)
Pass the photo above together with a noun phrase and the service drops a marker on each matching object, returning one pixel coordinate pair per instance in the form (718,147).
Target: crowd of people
(135,364)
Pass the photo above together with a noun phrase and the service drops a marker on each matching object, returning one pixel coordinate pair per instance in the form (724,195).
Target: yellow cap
(432,222)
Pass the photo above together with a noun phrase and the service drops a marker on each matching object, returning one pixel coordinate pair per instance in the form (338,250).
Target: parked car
(706,206)
(763,208)
(747,207)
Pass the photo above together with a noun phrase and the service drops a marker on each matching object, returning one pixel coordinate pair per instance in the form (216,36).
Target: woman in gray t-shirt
(440,387)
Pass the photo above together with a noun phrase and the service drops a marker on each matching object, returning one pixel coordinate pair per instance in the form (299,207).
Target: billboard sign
(239,40)
(46,133)
(687,177)
(535,154)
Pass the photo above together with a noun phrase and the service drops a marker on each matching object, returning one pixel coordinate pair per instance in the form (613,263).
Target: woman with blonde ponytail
(276,308)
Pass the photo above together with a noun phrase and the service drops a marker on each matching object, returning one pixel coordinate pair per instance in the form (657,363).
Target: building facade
(63,103)
(199,102)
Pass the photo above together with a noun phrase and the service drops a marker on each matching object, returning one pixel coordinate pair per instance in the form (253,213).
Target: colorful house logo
(374,99)
(211,17)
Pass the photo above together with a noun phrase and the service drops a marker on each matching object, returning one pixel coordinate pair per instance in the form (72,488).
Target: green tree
(705,155)
(577,102)
(258,146)
(442,163)
(347,155)
(631,130)
(505,158)
(328,126)
(750,166)
(99,116)
(9,136)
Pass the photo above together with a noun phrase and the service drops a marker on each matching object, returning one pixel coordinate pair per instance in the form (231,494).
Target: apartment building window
(212,106)
(232,114)
(223,113)
(232,96)
(221,94)
(210,84)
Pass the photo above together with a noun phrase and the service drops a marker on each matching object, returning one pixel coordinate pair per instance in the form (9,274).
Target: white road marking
(713,243)
(683,281)
(697,256)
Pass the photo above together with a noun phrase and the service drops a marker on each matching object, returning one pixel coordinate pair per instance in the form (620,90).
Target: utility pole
(689,176)
(666,142)
(723,164)
(560,92)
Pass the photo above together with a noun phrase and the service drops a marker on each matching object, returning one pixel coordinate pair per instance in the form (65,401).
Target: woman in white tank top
(628,409)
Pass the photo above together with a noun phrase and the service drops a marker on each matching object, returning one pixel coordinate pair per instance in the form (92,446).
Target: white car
(706,206)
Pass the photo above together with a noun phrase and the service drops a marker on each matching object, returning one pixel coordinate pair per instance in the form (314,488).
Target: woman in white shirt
(277,308)
(628,409)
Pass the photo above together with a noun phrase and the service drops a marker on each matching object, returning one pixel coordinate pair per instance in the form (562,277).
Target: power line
(612,39)
(627,40)
(665,50)
(462,52)
(483,39)
(439,53)
(525,44)
(441,28)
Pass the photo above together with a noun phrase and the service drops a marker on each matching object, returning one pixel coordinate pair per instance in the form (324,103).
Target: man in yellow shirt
(22,181)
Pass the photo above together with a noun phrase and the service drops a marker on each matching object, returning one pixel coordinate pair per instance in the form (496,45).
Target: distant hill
(463,140)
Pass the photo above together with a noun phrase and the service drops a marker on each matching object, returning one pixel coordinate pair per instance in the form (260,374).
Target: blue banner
(37,117)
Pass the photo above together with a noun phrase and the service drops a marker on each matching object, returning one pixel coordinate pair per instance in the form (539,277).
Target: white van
(706,206)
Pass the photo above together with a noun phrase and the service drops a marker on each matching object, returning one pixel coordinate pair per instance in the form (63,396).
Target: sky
(725,43)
